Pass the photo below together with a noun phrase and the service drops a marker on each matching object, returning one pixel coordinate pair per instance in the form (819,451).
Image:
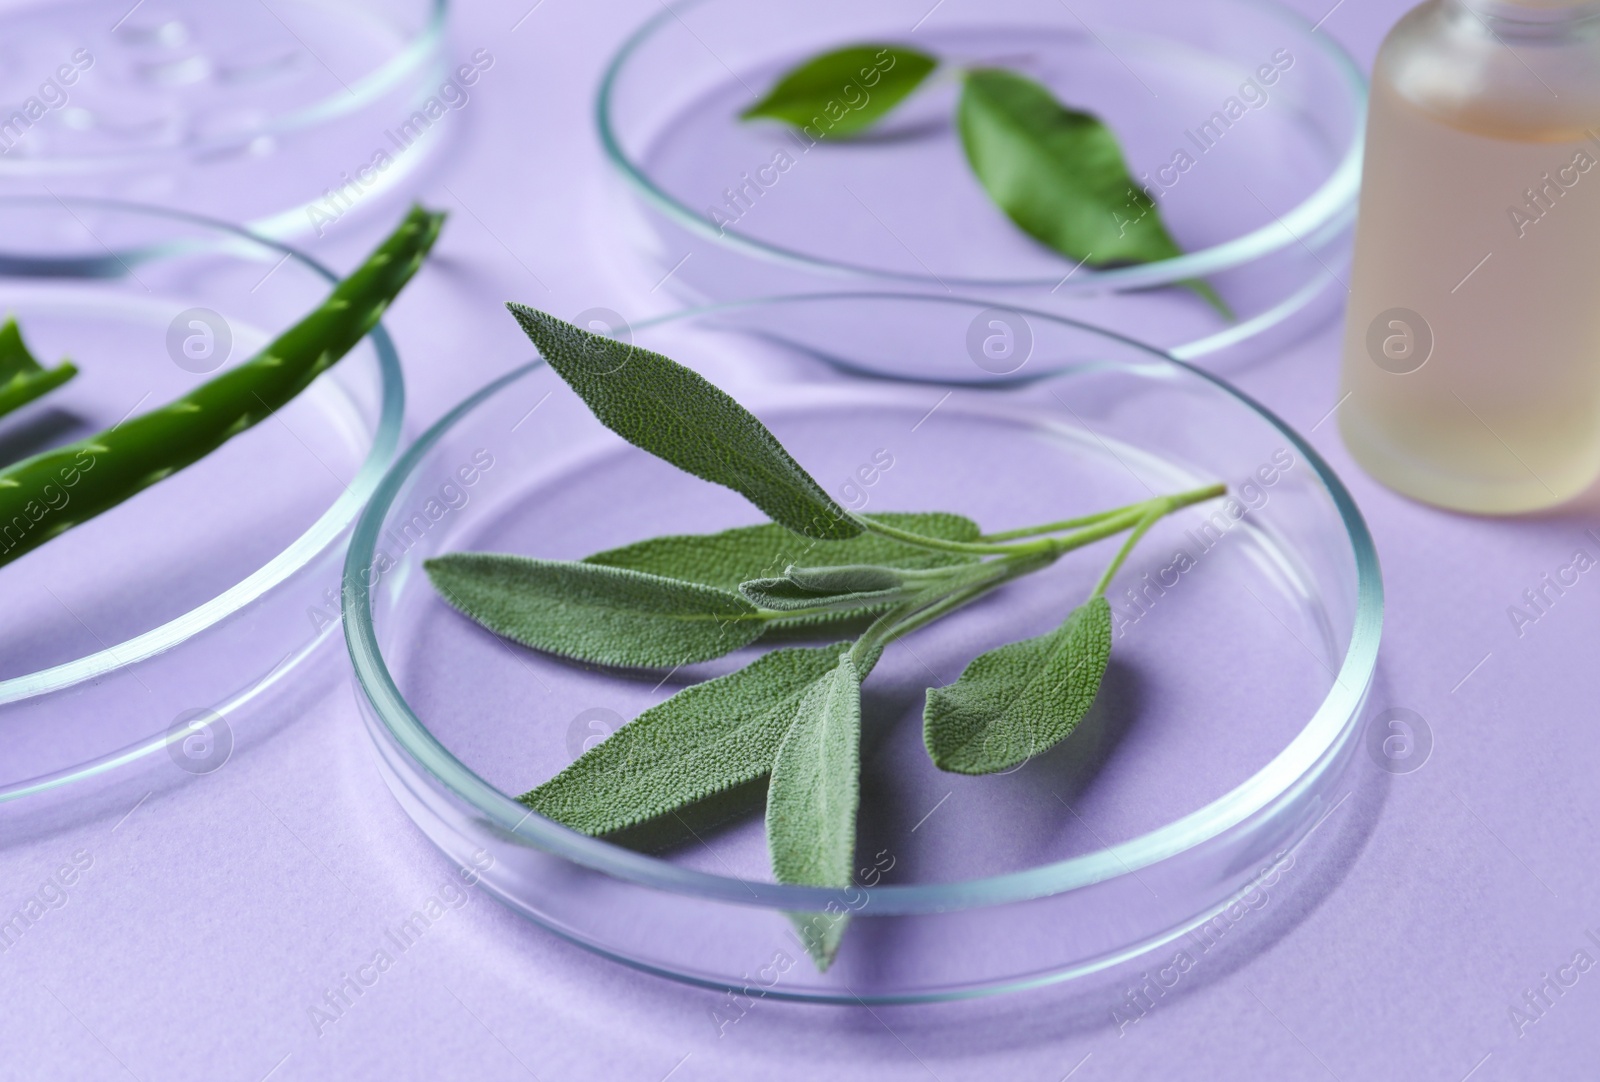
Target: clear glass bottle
(1471,373)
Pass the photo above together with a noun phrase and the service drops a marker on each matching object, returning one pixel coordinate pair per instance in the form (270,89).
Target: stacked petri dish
(140,646)
(286,117)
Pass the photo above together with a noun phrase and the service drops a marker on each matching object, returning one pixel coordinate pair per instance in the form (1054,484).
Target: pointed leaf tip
(603,615)
(678,415)
(1059,175)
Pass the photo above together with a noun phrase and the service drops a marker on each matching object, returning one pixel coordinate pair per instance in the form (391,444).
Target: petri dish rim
(283,565)
(422,48)
(1295,766)
(1331,203)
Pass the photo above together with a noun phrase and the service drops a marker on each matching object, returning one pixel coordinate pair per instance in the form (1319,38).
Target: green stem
(973,582)
(1013,568)
(1159,509)
(1195,495)
(938,544)
(989,546)
(1052,527)
(924,609)
(1129,516)
(1122,553)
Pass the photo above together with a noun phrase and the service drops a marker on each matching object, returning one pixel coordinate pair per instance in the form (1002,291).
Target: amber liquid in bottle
(1472,342)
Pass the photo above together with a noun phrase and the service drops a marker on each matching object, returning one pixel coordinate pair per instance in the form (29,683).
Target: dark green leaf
(598,614)
(844,91)
(1059,174)
(22,377)
(813,795)
(657,404)
(140,451)
(705,740)
(1012,703)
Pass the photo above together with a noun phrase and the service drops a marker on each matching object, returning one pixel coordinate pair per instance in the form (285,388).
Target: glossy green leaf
(813,795)
(143,450)
(22,377)
(1014,702)
(1059,174)
(707,739)
(603,615)
(659,405)
(844,91)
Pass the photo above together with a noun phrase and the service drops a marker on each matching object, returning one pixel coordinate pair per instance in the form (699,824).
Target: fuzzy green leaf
(1014,702)
(603,615)
(854,586)
(22,377)
(845,91)
(1059,175)
(705,740)
(727,559)
(813,796)
(846,578)
(821,931)
(662,407)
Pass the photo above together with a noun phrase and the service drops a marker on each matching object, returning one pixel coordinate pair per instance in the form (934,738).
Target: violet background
(219,911)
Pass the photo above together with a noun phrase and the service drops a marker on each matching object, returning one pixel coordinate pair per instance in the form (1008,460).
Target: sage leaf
(846,578)
(22,377)
(821,931)
(731,557)
(1014,702)
(852,586)
(1059,174)
(603,615)
(708,738)
(813,795)
(844,91)
(662,407)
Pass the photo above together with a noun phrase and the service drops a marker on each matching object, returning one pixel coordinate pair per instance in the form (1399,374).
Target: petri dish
(289,117)
(138,647)
(1255,176)
(1227,719)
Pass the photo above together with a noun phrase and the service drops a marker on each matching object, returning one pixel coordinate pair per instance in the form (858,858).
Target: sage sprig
(790,719)
(1058,173)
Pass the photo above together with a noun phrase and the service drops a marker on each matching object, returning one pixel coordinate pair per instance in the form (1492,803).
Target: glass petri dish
(1256,180)
(1227,718)
(210,593)
(288,117)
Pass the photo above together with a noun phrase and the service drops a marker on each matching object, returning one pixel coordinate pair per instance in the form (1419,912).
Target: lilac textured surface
(258,921)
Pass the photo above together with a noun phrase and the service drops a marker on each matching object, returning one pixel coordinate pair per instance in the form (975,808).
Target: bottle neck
(1529,18)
